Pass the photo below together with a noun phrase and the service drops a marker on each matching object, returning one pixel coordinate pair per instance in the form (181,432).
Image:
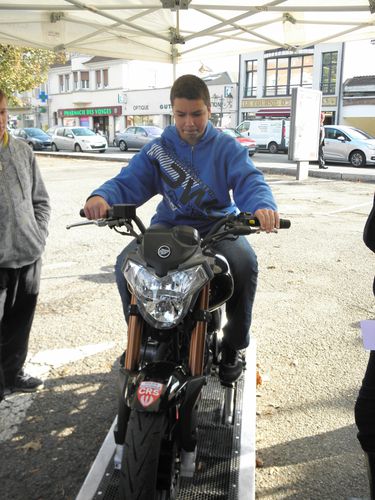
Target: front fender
(158,386)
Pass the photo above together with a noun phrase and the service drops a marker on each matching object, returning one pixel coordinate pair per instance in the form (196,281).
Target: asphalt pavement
(268,163)
(315,285)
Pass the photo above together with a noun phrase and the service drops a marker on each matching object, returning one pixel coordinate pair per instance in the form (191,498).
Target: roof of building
(360,81)
(61,64)
(217,78)
(100,59)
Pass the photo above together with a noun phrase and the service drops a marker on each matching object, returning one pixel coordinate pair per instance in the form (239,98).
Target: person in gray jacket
(24,216)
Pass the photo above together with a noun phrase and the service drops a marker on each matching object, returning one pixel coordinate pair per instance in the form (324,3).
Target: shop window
(329,73)
(285,73)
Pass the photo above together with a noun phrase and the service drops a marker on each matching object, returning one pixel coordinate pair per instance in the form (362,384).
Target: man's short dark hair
(190,87)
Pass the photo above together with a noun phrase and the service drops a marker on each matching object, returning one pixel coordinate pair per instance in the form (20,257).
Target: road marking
(59,265)
(13,408)
(349,209)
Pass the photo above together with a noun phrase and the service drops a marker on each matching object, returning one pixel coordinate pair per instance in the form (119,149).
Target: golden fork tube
(198,336)
(133,349)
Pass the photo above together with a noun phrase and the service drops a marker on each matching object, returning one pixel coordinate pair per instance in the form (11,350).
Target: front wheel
(272,148)
(54,147)
(148,469)
(357,159)
(77,148)
(123,146)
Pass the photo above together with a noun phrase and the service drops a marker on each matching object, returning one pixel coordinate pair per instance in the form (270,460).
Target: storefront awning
(273,113)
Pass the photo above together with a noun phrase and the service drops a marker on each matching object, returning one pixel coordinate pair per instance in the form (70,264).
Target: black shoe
(230,367)
(26,383)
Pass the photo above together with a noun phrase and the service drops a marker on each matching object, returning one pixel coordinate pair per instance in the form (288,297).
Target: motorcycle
(178,287)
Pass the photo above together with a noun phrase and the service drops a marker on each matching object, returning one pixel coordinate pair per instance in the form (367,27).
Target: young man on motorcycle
(196,169)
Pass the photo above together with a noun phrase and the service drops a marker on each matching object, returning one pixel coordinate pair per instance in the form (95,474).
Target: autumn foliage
(24,68)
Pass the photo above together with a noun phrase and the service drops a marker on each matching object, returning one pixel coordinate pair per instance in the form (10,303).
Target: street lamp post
(218,102)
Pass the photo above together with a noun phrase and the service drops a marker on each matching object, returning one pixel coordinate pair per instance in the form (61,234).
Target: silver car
(136,137)
(348,145)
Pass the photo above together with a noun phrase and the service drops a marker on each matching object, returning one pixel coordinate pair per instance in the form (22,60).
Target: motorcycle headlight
(164,301)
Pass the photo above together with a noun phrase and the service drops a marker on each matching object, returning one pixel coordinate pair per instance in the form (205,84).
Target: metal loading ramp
(225,464)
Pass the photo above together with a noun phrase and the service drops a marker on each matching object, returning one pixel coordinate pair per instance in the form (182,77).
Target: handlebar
(230,225)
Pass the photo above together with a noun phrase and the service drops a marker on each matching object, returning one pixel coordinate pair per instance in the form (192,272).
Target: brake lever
(98,222)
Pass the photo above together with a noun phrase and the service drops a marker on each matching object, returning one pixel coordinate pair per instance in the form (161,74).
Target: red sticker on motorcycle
(149,392)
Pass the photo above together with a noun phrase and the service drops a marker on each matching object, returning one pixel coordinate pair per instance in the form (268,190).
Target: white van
(272,135)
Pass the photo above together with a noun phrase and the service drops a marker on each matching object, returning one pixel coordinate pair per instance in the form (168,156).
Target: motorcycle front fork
(197,342)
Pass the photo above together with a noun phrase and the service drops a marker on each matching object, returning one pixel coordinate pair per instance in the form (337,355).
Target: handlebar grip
(82,213)
(284,223)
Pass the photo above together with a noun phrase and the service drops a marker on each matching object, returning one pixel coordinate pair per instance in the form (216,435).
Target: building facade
(105,94)
(358,103)
(111,94)
(266,80)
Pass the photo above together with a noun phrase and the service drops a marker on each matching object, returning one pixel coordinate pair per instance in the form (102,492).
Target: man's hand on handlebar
(96,208)
(269,220)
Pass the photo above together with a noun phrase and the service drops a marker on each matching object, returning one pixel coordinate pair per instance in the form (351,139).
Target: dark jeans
(365,408)
(19,290)
(244,267)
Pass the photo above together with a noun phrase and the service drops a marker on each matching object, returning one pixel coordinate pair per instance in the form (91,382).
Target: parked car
(349,145)
(136,137)
(248,142)
(78,139)
(35,137)
(52,129)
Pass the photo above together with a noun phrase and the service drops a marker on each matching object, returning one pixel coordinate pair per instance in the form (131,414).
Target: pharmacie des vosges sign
(109,110)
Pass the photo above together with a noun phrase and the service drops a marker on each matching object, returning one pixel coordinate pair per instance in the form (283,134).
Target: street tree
(24,68)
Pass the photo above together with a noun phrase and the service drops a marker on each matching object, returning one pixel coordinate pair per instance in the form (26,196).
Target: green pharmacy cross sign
(43,96)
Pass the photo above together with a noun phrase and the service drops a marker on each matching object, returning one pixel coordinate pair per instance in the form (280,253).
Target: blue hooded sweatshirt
(196,182)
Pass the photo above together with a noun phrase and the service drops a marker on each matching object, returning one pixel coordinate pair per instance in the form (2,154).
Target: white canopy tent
(182,30)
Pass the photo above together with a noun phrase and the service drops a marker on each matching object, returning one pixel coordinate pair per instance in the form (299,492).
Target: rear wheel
(77,148)
(148,470)
(123,146)
(357,159)
(272,148)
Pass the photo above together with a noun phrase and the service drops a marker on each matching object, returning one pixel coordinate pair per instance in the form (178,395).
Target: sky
(359,59)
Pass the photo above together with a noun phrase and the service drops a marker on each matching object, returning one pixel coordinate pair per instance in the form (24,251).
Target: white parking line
(14,407)
(350,209)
